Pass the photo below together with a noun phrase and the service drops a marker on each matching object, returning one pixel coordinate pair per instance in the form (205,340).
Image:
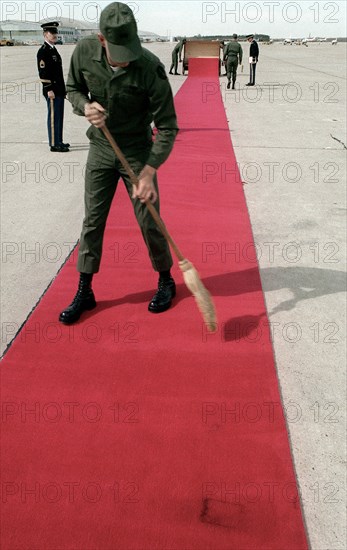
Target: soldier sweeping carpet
(113,79)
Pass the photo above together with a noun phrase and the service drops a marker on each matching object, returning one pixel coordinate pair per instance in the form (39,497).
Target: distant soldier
(177,54)
(253,58)
(232,58)
(50,69)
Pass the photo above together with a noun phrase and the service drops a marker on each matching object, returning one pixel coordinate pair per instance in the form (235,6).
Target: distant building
(21,31)
(30,32)
(69,31)
(149,36)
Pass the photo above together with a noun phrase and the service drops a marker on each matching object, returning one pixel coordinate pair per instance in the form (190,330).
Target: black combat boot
(59,149)
(83,301)
(161,301)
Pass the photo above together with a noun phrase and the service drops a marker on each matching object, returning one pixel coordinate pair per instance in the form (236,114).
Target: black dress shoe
(161,301)
(177,74)
(228,85)
(59,149)
(249,84)
(83,301)
(65,144)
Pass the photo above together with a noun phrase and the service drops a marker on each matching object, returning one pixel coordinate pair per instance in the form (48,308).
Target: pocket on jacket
(132,98)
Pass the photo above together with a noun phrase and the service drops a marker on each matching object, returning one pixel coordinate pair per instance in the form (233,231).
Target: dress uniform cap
(118,25)
(52,26)
(250,36)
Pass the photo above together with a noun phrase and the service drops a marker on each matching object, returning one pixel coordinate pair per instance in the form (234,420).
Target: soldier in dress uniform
(253,59)
(50,69)
(232,58)
(113,80)
(177,55)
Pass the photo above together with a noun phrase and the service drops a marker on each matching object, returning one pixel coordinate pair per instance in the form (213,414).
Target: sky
(278,18)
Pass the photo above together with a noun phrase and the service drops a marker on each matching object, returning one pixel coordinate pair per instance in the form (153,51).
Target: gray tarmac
(289,136)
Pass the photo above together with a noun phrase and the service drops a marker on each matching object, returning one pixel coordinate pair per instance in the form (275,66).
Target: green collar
(100,57)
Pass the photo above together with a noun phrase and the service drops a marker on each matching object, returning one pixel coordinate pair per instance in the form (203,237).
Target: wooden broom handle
(135,181)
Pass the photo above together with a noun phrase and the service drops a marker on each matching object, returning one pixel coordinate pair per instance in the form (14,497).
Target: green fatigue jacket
(133,97)
(178,49)
(232,50)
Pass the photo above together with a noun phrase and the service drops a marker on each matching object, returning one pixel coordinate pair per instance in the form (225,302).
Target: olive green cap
(118,26)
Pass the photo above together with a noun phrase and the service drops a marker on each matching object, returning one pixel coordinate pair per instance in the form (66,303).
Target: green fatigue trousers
(103,171)
(174,64)
(232,64)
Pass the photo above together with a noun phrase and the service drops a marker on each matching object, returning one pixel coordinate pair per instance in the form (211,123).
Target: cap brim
(125,54)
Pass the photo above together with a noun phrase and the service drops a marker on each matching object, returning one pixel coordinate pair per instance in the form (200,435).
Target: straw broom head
(201,294)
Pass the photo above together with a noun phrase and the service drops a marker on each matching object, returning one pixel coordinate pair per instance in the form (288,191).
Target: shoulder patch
(42,64)
(161,72)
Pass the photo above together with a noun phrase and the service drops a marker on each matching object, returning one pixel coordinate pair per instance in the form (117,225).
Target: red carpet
(132,431)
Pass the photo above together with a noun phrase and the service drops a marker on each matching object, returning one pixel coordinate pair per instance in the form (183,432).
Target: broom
(191,277)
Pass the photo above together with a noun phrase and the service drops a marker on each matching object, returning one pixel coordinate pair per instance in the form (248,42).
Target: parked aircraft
(309,39)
